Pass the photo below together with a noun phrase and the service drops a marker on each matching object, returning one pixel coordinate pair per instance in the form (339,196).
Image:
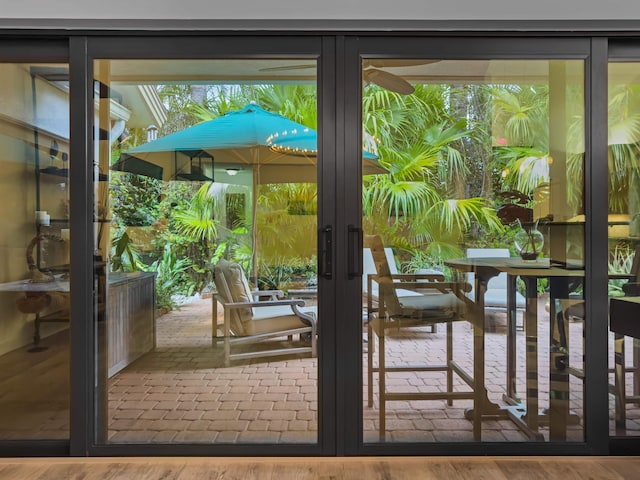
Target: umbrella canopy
(274,148)
(248,137)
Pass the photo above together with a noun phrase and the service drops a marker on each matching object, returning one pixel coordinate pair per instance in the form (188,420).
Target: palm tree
(415,204)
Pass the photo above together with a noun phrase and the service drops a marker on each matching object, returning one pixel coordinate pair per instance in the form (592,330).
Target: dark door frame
(84,51)
(592,51)
(621,50)
(34,50)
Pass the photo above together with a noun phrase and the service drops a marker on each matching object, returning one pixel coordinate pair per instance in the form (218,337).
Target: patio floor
(180,393)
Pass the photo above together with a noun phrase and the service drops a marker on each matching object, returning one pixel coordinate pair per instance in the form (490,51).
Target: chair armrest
(621,276)
(435,277)
(441,286)
(268,303)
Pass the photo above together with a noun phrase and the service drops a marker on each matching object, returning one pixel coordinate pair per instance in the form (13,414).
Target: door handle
(326,251)
(354,251)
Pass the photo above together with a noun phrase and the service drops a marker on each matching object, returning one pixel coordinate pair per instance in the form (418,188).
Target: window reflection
(34,243)
(624,232)
(483,190)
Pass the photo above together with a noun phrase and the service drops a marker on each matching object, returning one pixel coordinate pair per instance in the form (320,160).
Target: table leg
(558,363)
(511,338)
(620,387)
(636,368)
(531,362)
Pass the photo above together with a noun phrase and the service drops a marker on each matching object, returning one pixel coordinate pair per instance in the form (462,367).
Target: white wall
(324,9)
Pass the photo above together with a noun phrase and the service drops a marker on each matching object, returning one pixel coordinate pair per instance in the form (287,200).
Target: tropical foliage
(447,151)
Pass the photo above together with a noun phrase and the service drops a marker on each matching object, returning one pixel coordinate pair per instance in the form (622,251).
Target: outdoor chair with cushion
(249,322)
(495,297)
(370,287)
(438,302)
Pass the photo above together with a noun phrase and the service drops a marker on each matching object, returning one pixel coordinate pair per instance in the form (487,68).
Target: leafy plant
(275,276)
(620,262)
(124,257)
(170,278)
(134,199)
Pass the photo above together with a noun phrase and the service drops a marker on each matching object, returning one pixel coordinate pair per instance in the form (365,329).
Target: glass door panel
(624,245)
(473,259)
(34,243)
(206,221)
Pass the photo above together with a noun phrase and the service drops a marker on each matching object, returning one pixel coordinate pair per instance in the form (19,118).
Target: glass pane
(473,255)
(624,244)
(34,245)
(206,221)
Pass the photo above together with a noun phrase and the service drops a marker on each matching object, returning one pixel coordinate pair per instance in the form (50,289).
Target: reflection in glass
(34,239)
(210,331)
(474,152)
(624,247)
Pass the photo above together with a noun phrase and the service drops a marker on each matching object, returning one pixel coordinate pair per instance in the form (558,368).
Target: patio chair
(495,298)
(573,309)
(251,322)
(438,302)
(370,287)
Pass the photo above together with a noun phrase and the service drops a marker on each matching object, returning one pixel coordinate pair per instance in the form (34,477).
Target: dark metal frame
(51,50)
(236,47)
(485,47)
(619,50)
(339,108)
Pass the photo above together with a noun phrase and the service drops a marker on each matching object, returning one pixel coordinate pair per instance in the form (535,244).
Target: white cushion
(496,294)
(232,284)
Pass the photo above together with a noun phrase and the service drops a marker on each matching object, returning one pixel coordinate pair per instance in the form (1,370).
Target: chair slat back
(233,286)
(386,288)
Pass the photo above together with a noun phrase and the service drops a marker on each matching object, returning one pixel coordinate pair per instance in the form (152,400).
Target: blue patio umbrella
(274,148)
(283,150)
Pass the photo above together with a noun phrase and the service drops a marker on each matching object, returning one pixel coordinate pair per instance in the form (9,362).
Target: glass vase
(529,242)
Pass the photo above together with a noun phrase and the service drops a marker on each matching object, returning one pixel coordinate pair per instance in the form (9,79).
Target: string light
(271,142)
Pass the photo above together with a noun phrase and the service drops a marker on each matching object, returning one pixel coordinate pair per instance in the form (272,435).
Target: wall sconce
(232,172)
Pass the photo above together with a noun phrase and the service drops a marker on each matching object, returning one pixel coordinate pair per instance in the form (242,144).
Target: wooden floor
(369,468)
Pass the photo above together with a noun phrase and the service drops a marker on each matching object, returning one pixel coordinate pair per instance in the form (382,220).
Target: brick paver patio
(181,392)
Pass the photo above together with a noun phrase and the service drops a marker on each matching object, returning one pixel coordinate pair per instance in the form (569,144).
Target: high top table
(527,417)
(624,319)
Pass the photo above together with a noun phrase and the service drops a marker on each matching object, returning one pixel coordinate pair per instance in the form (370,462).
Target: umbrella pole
(254,230)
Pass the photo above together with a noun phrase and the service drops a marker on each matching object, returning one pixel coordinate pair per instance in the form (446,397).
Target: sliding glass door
(623,240)
(473,318)
(209,300)
(34,244)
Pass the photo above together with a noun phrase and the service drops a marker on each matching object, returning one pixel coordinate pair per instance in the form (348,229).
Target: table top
(513,266)
(626,299)
(57,285)
(61,284)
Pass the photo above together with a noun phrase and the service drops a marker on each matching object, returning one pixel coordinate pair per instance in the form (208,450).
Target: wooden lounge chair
(248,321)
